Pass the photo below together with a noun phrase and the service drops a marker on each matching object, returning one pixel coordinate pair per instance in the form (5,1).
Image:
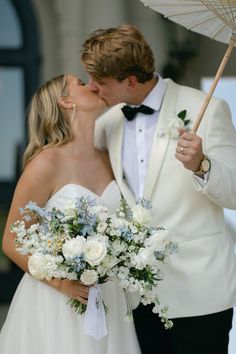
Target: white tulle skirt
(40,322)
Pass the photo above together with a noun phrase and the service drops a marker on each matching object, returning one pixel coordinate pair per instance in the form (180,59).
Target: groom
(189,178)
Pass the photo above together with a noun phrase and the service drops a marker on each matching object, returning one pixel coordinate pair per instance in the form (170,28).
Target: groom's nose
(93,86)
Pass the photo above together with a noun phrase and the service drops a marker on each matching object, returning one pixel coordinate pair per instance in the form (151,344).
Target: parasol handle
(214,83)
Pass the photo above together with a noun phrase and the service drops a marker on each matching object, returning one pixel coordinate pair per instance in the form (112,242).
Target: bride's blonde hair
(48,123)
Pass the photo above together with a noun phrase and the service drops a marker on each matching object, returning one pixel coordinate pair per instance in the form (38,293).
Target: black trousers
(208,334)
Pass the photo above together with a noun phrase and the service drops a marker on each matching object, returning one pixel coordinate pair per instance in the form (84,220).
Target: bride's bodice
(110,197)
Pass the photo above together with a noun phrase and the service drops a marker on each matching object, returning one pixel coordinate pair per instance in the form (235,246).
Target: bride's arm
(36,184)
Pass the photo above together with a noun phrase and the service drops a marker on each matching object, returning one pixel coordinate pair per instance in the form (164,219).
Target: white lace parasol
(213,18)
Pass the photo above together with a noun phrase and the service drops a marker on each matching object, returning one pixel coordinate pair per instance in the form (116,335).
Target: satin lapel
(115,140)
(160,141)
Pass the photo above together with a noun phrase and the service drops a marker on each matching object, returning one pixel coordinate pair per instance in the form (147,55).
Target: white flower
(89,277)
(121,214)
(124,283)
(141,214)
(74,247)
(158,241)
(123,272)
(177,121)
(117,222)
(118,246)
(115,232)
(42,266)
(102,226)
(33,228)
(173,125)
(144,257)
(108,263)
(95,250)
(70,211)
(133,229)
(19,228)
(101,211)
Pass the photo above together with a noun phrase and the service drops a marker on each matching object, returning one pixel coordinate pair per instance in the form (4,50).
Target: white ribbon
(95,317)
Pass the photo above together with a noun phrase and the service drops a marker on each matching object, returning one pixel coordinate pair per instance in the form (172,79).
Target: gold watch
(204,167)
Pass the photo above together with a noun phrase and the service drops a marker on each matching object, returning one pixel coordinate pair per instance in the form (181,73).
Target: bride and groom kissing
(181,174)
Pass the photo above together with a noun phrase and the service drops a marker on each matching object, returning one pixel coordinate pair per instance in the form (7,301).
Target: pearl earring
(73,112)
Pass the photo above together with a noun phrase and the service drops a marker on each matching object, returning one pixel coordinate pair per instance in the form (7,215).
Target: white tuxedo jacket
(201,277)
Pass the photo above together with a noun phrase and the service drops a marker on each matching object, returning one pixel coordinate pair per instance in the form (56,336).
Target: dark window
(19,77)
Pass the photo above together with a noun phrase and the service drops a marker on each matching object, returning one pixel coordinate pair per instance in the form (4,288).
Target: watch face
(205,165)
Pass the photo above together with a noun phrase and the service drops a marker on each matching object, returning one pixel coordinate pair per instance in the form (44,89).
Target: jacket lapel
(160,140)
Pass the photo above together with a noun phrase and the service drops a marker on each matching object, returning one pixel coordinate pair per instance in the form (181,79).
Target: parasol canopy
(213,18)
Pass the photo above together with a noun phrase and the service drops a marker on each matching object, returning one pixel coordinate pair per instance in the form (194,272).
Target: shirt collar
(155,96)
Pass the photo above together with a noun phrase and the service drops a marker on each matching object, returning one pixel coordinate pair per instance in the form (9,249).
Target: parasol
(213,18)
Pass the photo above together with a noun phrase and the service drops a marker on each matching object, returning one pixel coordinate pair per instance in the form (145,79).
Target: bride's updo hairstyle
(48,123)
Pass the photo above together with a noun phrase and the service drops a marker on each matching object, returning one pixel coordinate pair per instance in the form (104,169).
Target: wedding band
(182,150)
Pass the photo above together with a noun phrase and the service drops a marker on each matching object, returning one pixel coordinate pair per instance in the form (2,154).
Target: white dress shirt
(138,138)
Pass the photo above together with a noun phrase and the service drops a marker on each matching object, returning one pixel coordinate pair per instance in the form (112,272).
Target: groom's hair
(118,52)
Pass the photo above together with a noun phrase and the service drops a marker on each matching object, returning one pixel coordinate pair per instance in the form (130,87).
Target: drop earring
(73,112)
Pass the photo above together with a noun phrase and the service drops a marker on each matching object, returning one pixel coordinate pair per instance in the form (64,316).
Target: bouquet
(85,242)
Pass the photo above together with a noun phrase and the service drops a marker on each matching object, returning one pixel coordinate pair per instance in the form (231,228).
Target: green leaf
(182,114)
(186,121)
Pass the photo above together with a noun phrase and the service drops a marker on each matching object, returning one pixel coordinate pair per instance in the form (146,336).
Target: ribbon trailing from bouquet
(95,316)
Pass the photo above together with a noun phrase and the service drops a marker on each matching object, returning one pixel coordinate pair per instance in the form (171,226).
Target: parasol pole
(214,83)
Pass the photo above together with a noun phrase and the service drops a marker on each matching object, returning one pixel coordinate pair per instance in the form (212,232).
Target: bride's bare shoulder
(45,165)
(47,157)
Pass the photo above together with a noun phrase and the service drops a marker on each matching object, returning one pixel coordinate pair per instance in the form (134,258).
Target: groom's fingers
(189,150)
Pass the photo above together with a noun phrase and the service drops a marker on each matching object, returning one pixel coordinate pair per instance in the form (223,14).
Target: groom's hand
(189,150)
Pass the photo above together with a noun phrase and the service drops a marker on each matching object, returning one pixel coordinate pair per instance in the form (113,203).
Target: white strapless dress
(39,320)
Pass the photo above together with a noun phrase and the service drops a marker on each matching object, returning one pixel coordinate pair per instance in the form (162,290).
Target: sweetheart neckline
(85,188)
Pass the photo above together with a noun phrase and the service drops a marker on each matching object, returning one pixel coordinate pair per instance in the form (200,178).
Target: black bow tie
(131,112)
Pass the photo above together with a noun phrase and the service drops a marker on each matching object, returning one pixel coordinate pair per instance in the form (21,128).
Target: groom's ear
(65,102)
(132,81)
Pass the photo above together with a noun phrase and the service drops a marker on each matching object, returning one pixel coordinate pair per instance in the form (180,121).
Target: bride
(60,164)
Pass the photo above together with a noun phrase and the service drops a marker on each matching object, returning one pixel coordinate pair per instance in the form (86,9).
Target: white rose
(89,277)
(141,214)
(74,247)
(95,250)
(40,265)
(173,125)
(144,257)
(102,226)
(158,240)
